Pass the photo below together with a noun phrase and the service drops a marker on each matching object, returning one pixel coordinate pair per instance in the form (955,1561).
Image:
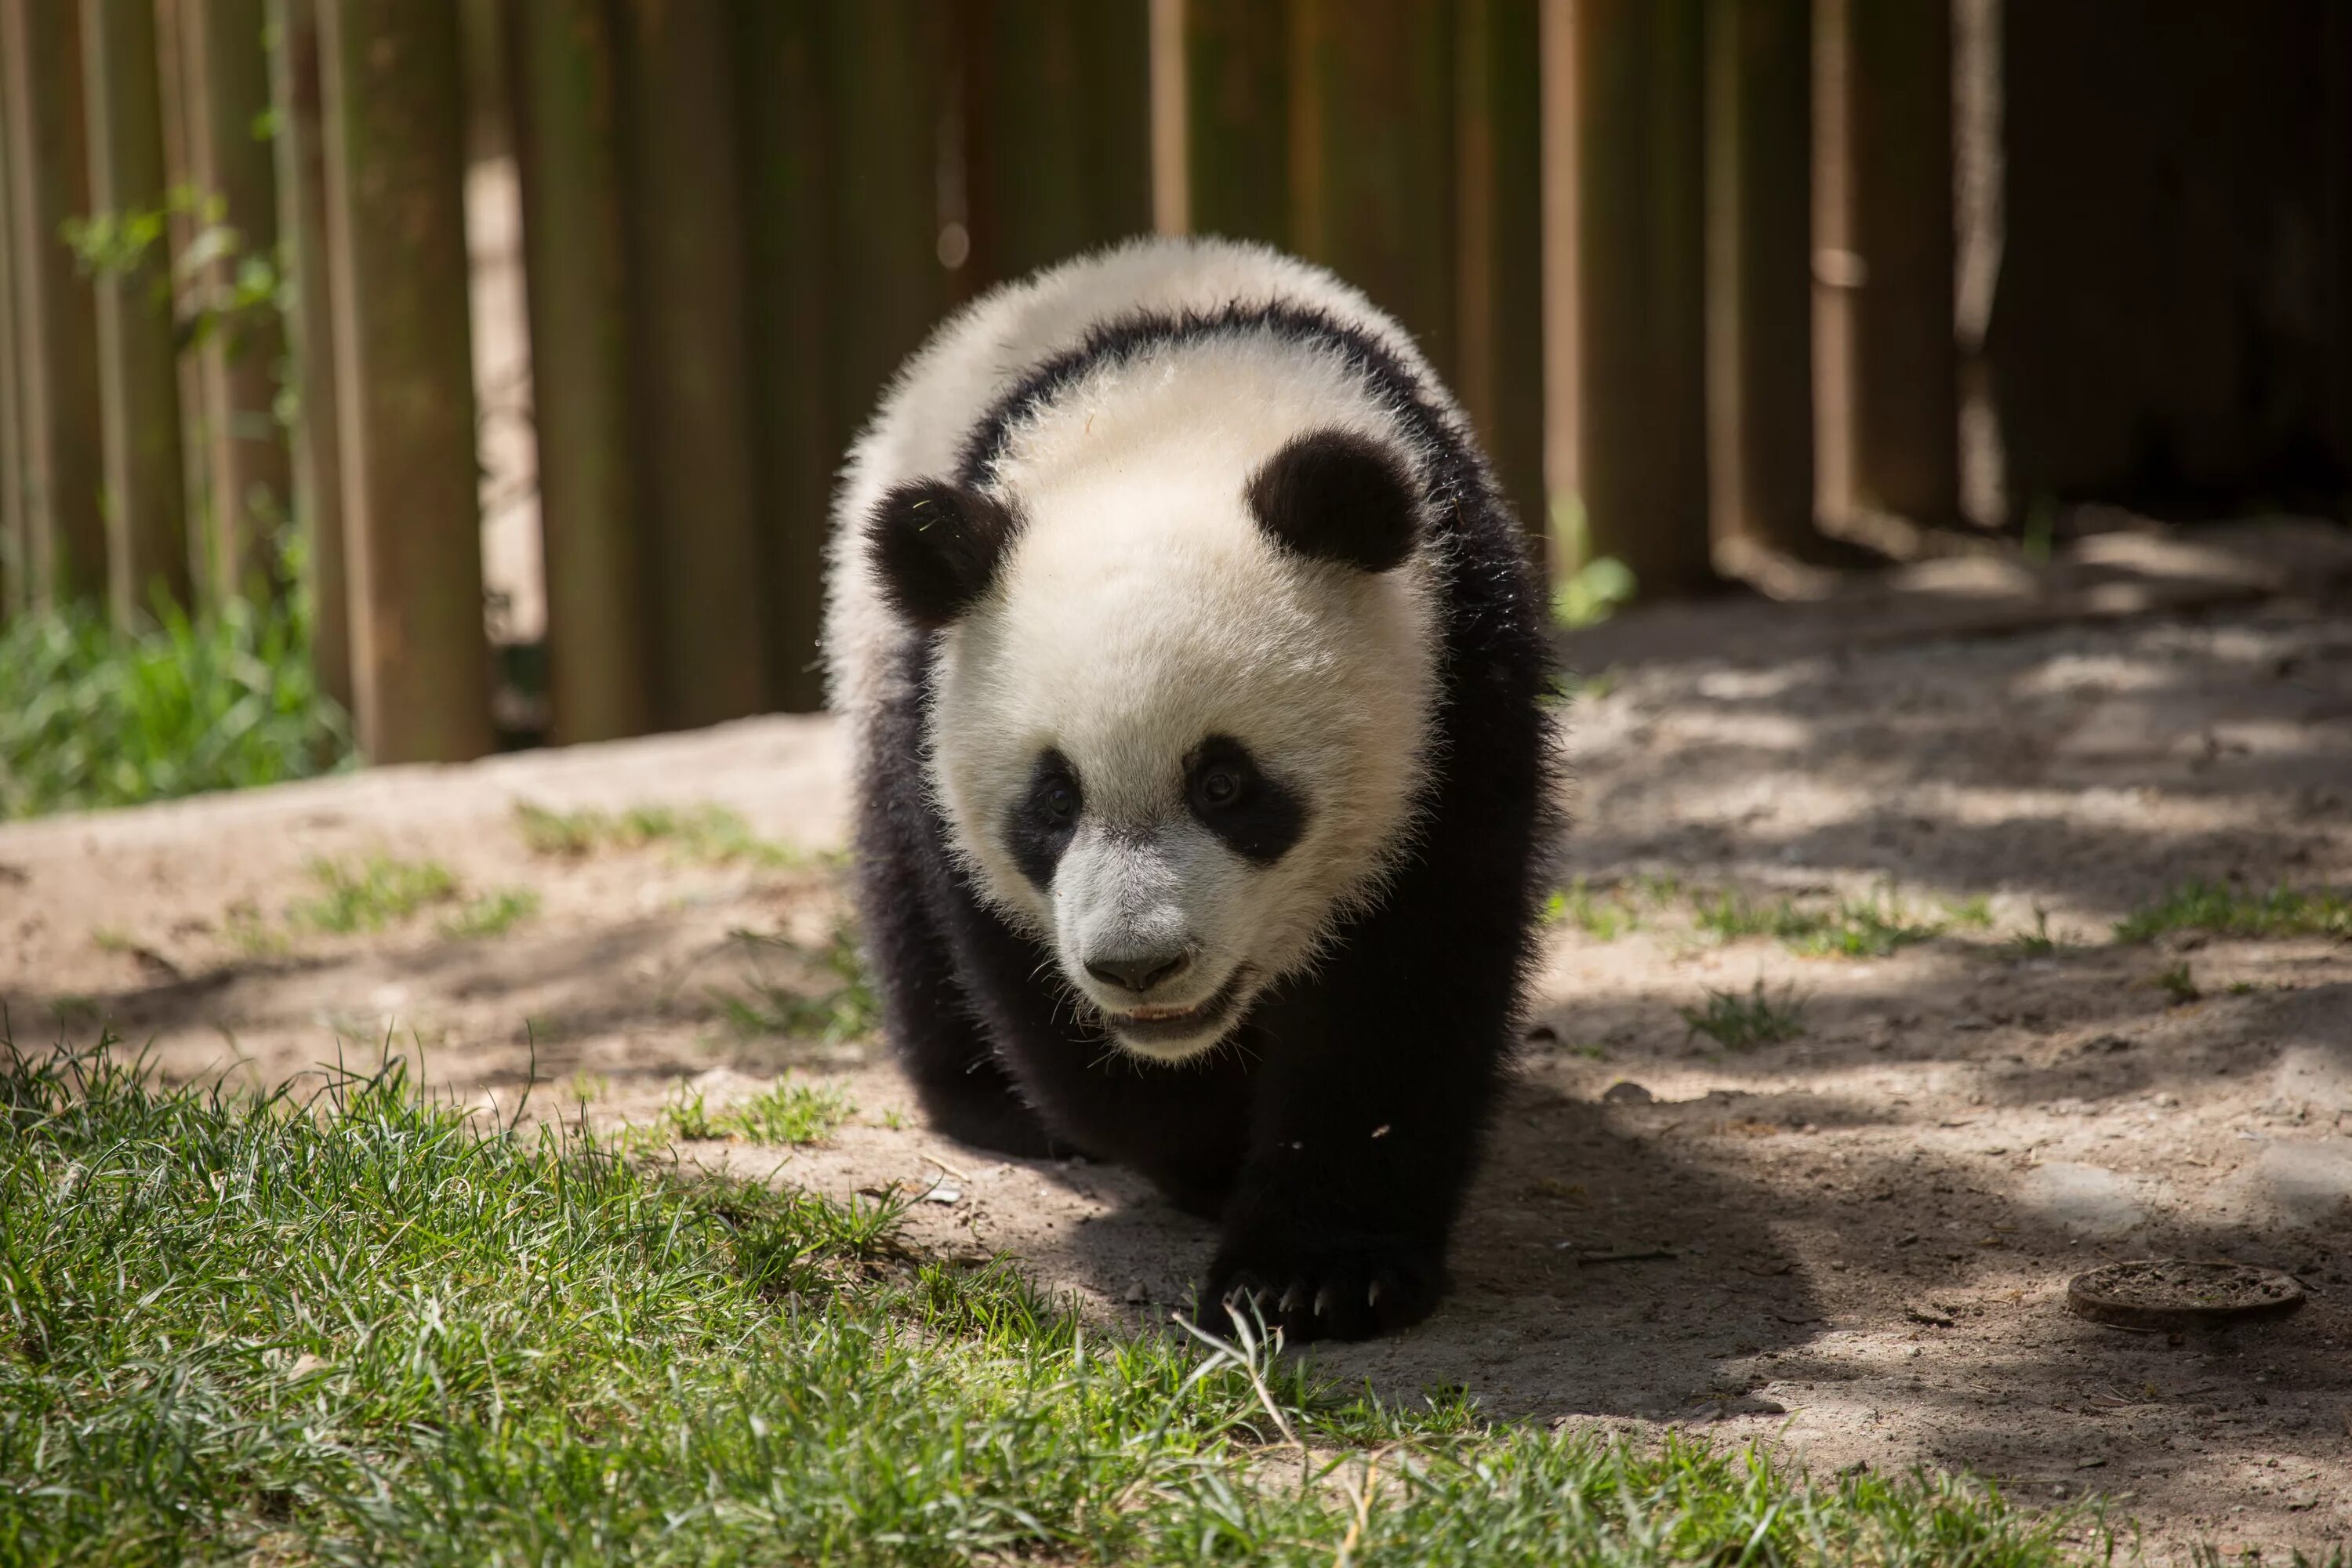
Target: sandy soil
(1854,1244)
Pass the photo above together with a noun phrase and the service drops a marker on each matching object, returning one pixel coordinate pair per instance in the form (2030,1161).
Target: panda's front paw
(1332,1287)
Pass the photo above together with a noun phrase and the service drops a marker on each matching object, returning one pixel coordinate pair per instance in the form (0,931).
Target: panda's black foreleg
(1374,1097)
(963,1087)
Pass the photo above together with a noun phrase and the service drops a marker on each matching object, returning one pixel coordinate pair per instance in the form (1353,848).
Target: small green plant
(844,1009)
(2179,986)
(1603,915)
(708,834)
(370,894)
(492,914)
(1593,593)
(1872,926)
(563,834)
(2224,910)
(112,939)
(1737,1022)
(1974,914)
(221,286)
(785,1113)
(2039,943)
(586,1088)
(92,716)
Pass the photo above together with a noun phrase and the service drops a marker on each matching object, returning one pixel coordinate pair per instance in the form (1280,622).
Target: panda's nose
(1140,972)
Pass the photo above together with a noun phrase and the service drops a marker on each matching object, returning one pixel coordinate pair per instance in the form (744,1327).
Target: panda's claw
(1345,1292)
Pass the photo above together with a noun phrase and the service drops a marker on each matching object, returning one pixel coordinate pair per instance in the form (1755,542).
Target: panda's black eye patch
(1258,817)
(1045,819)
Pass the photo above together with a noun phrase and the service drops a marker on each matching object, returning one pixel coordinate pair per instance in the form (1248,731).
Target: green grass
(787,1113)
(492,914)
(1611,910)
(707,834)
(1974,914)
(1872,927)
(353,1328)
(2224,910)
(370,893)
(2179,986)
(92,717)
(1737,1022)
(844,1006)
(1604,915)
(2039,943)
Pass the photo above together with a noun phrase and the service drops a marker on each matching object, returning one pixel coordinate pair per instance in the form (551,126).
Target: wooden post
(395,114)
(1888,216)
(567,121)
(1371,155)
(55,323)
(893,267)
(686,259)
(1759,286)
(317,468)
(784,92)
(1057,113)
(16,585)
(1237,118)
(139,383)
(228,70)
(1564,479)
(1499,370)
(1641,316)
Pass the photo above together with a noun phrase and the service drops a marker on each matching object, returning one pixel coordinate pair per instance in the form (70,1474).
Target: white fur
(1141,609)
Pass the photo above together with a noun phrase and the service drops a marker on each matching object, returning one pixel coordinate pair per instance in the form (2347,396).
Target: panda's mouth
(1162,1027)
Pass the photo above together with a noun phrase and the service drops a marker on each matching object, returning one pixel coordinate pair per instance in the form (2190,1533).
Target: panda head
(1179,709)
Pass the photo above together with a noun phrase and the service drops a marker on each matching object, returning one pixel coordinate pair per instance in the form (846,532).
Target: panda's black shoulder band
(936,547)
(1333,495)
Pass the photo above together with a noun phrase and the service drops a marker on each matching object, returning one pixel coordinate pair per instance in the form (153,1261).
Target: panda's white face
(1175,751)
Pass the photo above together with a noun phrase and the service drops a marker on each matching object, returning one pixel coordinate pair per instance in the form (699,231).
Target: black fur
(1335,1138)
(1260,819)
(1046,819)
(938,545)
(1334,496)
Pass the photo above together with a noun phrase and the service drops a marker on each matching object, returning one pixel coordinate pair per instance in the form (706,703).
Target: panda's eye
(1218,786)
(1060,801)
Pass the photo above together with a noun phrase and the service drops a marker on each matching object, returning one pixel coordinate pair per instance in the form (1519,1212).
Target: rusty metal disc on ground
(2177,1293)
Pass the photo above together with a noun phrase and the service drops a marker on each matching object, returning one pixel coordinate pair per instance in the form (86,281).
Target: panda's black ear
(1333,496)
(937,546)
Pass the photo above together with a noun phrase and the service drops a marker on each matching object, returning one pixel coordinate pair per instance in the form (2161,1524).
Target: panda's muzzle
(1141,973)
(1146,1026)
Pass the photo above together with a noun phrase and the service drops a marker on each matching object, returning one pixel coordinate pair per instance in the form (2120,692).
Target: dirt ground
(1854,1244)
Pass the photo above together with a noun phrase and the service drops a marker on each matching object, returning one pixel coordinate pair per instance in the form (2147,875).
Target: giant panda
(1191,664)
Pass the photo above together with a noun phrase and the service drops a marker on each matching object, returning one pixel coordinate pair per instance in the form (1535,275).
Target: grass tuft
(2039,943)
(348,1326)
(787,1113)
(1737,1022)
(370,893)
(2179,986)
(2229,911)
(92,717)
(1872,927)
(708,834)
(843,1007)
(1604,915)
(492,914)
